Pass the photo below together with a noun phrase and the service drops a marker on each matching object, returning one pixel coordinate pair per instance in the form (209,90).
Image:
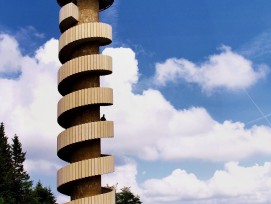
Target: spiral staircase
(79,108)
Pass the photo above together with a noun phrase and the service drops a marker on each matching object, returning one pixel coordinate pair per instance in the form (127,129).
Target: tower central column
(89,11)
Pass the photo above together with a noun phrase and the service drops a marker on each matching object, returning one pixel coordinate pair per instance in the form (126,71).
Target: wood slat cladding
(100,32)
(105,198)
(68,16)
(101,64)
(84,169)
(82,33)
(88,131)
(79,109)
(84,132)
(91,96)
(96,64)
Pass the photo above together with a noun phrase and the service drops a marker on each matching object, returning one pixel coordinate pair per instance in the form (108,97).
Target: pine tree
(127,197)
(5,168)
(43,195)
(21,181)
(15,184)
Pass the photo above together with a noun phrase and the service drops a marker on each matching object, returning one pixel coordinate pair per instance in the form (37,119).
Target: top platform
(104,4)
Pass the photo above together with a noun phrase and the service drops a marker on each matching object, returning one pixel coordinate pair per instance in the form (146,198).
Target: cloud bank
(148,126)
(28,101)
(234,184)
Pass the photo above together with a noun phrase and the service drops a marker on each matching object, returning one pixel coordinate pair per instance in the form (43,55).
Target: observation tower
(79,108)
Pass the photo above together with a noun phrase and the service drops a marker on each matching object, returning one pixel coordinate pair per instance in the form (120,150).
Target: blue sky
(191,89)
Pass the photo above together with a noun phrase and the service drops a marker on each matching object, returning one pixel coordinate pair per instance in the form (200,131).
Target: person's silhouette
(103,118)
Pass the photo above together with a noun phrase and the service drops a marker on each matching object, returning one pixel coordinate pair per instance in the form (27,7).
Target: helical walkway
(79,109)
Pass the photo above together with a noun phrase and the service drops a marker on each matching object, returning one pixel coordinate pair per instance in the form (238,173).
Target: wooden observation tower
(79,109)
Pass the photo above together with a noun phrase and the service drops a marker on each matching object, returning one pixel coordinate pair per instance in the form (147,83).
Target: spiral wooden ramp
(79,109)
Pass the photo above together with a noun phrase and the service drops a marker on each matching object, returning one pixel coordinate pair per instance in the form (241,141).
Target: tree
(5,167)
(21,186)
(125,196)
(15,184)
(43,195)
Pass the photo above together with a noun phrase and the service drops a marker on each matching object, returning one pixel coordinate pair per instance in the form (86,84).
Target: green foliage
(43,195)
(15,184)
(21,181)
(5,166)
(125,196)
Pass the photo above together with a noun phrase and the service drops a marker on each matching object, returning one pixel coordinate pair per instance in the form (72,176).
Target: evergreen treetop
(5,166)
(21,180)
(43,195)
(125,196)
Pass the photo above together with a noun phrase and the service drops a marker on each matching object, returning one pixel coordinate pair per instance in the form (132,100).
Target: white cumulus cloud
(226,70)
